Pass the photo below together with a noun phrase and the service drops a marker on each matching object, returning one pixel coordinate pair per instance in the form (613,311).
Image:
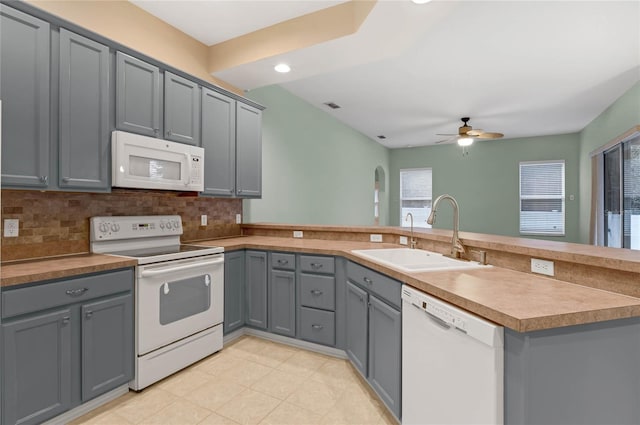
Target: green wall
(486,181)
(622,115)
(315,169)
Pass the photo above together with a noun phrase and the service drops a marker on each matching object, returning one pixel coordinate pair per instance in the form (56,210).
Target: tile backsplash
(57,223)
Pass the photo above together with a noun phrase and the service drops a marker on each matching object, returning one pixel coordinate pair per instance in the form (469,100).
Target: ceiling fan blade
(490,136)
(475,133)
(442,134)
(447,140)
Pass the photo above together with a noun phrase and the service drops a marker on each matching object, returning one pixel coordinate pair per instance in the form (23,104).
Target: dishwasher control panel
(445,315)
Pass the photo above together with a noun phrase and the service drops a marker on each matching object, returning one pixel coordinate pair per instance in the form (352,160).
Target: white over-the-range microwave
(143,162)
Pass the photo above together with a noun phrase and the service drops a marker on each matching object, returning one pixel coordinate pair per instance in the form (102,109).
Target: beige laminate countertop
(19,272)
(520,301)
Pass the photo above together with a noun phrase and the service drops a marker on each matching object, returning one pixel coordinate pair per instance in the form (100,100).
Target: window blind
(542,198)
(415,195)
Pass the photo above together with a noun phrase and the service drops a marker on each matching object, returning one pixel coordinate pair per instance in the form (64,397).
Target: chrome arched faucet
(456,246)
(412,242)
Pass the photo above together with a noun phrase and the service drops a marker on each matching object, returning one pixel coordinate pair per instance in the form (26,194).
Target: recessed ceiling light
(282,68)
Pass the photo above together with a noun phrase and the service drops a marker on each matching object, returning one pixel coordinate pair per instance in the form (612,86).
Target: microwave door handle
(187,174)
(155,272)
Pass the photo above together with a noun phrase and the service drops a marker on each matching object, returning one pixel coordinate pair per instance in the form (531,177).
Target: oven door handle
(149,273)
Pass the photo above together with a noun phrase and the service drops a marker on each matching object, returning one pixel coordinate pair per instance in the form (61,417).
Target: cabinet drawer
(318,326)
(318,291)
(317,264)
(69,291)
(283,261)
(382,285)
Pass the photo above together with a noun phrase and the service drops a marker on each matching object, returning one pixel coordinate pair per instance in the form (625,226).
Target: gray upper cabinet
(36,365)
(256,287)
(24,90)
(248,151)
(138,96)
(181,110)
(219,143)
(107,344)
(385,359)
(357,322)
(84,154)
(234,293)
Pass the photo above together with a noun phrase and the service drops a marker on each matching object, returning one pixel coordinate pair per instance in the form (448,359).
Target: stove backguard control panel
(133,227)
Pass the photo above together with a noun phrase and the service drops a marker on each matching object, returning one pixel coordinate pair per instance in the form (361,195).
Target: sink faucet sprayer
(412,242)
(456,245)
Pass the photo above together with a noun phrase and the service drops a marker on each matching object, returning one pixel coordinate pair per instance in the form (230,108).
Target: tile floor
(252,381)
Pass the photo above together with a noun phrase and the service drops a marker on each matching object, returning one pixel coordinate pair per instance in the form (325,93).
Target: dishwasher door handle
(438,321)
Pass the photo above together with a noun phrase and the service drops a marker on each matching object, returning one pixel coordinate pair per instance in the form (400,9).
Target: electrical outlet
(11,226)
(297,233)
(542,267)
(238,218)
(375,238)
(403,240)
(203,220)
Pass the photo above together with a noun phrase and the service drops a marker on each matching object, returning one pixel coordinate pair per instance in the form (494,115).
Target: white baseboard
(87,407)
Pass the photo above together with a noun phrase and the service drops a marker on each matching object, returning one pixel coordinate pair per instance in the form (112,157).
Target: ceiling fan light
(420,1)
(465,141)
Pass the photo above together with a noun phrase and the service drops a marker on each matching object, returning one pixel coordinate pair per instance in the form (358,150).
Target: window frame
(562,197)
(416,223)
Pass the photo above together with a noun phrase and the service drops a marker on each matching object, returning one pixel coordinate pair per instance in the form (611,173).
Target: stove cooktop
(163,250)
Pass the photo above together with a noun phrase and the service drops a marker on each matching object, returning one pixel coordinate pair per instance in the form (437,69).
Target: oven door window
(180,299)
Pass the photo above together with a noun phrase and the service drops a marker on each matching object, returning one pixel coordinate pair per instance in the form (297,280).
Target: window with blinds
(542,199)
(415,196)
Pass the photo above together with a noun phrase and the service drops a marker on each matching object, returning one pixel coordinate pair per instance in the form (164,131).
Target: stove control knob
(103,227)
(162,225)
(115,227)
(168,225)
(176,224)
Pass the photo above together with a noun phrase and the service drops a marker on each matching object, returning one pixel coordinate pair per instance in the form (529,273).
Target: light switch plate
(238,218)
(11,227)
(203,220)
(375,238)
(297,233)
(542,266)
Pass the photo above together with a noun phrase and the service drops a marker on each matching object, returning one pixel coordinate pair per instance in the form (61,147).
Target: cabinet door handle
(88,314)
(66,320)
(169,133)
(76,292)
(317,326)
(283,261)
(316,266)
(66,179)
(367,280)
(156,130)
(316,292)
(361,299)
(44,179)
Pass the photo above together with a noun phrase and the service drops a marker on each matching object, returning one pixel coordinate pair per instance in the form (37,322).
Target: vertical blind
(542,198)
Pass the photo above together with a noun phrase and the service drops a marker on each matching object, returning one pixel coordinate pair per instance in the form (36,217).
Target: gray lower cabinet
(36,367)
(181,109)
(234,291)
(248,151)
(374,331)
(256,289)
(138,96)
(219,143)
(357,327)
(282,302)
(107,345)
(84,154)
(64,343)
(25,91)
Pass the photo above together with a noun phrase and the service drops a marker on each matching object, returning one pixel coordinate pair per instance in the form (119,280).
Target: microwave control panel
(196,170)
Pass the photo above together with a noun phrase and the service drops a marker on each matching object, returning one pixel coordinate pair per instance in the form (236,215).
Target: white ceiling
(523,68)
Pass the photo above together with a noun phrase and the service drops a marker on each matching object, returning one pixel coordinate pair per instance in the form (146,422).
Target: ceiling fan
(466,134)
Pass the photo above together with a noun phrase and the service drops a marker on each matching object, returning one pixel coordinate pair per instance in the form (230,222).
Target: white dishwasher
(452,364)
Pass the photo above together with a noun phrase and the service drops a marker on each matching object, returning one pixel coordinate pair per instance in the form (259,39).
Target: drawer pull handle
(66,320)
(317,326)
(316,266)
(283,261)
(76,292)
(66,179)
(88,314)
(44,179)
(367,280)
(316,292)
